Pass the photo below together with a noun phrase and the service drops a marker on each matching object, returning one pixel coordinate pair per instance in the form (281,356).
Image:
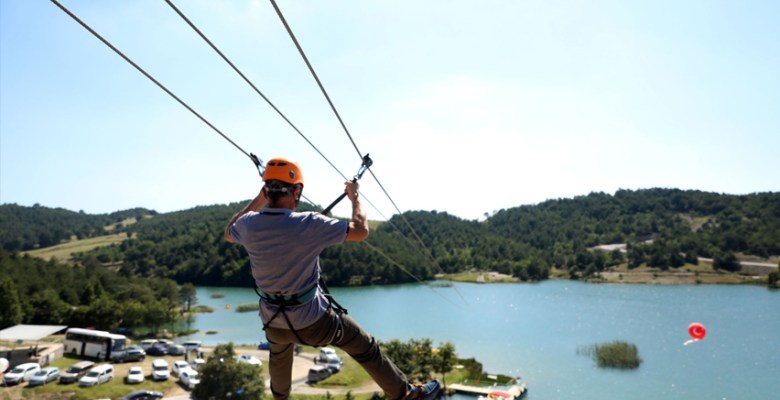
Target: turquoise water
(533,331)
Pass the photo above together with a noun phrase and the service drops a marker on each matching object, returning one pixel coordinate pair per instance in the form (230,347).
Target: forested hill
(693,220)
(664,228)
(26,228)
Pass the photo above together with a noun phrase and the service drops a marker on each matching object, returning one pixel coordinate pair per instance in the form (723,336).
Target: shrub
(246,307)
(616,354)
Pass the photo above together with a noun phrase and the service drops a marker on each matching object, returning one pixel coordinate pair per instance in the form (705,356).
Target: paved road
(746,263)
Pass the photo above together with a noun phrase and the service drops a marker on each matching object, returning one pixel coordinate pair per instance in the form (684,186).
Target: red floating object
(697,331)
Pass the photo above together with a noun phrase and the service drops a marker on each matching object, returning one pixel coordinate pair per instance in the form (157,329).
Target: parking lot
(118,388)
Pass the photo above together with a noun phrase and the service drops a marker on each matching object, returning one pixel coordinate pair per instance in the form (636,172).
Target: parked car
(267,346)
(124,331)
(21,373)
(129,354)
(147,343)
(44,376)
(135,375)
(249,359)
(179,365)
(143,395)
(157,350)
(76,371)
(327,354)
(196,363)
(329,359)
(174,349)
(318,373)
(189,378)
(97,375)
(160,371)
(192,345)
(334,365)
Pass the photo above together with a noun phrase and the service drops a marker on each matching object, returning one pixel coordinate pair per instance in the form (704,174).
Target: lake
(533,331)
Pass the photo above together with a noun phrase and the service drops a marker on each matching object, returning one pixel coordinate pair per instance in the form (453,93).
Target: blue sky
(465,107)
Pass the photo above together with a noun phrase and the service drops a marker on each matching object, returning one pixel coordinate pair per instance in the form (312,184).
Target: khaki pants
(344,333)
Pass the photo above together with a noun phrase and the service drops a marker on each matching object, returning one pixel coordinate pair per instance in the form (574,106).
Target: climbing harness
(367,163)
(282,302)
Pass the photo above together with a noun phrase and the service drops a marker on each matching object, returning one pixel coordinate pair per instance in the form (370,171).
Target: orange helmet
(282,169)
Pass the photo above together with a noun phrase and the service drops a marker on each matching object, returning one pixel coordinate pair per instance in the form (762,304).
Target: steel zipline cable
(258,163)
(263,96)
(314,74)
(351,139)
(200,33)
(150,77)
(241,74)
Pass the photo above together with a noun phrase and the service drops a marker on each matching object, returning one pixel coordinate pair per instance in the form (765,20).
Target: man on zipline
(284,248)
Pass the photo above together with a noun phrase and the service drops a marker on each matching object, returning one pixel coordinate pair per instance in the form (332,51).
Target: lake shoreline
(688,274)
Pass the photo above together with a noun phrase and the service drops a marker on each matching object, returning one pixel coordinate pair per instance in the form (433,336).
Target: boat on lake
(491,392)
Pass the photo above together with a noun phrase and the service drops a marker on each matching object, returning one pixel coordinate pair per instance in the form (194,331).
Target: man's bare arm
(358,225)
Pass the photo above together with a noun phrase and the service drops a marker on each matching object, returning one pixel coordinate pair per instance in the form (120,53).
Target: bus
(92,343)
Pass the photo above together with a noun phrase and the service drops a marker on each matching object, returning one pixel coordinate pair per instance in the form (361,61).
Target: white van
(21,373)
(100,374)
(328,355)
(160,371)
(147,343)
(197,363)
(192,345)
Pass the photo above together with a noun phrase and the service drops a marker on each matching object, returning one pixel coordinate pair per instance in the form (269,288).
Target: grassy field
(64,251)
(124,223)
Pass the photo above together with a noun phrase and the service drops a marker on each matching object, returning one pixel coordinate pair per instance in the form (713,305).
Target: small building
(22,343)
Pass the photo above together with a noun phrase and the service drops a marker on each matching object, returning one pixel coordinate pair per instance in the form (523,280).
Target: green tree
(104,314)
(188,295)
(444,359)
(133,313)
(726,260)
(223,377)
(414,358)
(166,289)
(159,313)
(423,360)
(774,279)
(636,255)
(92,291)
(401,353)
(46,308)
(11,311)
